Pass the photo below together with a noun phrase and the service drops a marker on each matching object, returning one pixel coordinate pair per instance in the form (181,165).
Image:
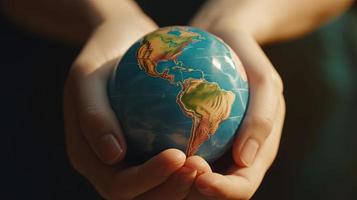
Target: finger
(134,181)
(179,185)
(217,186)
(265,89)
(241,183)
(271,146)
(79,152)
(176,187)
(201,165)
(112,183)
(198,163)
(109,182)
(88,80)
(97,120)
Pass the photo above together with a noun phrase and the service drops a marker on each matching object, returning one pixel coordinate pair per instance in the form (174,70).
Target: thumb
(97,121)
(266,88)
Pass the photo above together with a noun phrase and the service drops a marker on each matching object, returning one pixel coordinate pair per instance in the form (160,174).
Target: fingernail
(108,148)
(206,191)
(249,151)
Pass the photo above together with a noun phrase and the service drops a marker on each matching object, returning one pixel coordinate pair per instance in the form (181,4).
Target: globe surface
(179,87)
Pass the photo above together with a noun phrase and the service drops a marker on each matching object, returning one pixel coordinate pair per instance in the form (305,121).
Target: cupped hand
(95,143)
(256,145)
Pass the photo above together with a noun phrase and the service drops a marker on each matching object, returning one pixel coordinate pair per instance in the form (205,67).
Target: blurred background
(317,157)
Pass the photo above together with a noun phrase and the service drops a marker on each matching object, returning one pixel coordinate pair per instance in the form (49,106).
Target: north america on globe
(204,102)
(163,45)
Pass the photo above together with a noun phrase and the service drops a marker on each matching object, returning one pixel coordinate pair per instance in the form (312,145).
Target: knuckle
(262,124)
(263,78)
(271,78)
(94,117)
(80,71)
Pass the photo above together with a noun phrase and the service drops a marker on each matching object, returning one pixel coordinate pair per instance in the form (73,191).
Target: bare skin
(263,19)
(104,27)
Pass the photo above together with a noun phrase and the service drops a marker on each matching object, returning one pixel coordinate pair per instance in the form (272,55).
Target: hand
(95,143)
(257,143)
(269,20)
(254,17)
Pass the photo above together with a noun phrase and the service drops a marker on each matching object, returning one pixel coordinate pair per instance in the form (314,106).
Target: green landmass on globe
(204,102)
(208,105)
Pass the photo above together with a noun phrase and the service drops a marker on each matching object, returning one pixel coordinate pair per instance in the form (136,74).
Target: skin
(104,27)
(262,18)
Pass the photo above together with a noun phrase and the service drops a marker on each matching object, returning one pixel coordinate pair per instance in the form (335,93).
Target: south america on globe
(179,87)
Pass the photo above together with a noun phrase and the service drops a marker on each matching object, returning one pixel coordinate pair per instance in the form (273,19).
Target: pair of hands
(95,142)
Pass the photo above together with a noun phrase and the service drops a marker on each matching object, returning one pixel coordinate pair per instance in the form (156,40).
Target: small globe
(179,87)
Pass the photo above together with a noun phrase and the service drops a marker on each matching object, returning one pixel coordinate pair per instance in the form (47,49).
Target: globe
(179,87)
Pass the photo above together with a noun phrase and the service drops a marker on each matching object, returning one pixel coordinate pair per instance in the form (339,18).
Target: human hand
(269,20)
(254,17)
(257,143)
(95,143)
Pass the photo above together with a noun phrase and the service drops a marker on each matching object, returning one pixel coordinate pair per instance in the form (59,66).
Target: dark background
(317,158)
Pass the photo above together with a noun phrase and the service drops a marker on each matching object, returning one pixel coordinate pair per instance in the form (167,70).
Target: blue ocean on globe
(179,87)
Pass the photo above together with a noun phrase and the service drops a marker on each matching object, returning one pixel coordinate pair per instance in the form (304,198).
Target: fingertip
(173,155)
(253,133)
(170,160)
(198,163)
